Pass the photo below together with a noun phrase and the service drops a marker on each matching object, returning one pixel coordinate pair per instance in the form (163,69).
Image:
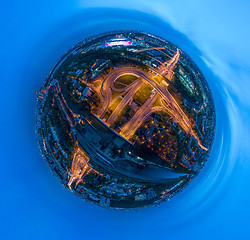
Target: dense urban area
(125,120)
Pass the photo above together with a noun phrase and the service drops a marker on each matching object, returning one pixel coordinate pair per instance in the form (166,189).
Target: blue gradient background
(35,34)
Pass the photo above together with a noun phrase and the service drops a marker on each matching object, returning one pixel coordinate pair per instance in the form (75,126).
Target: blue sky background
(35,34)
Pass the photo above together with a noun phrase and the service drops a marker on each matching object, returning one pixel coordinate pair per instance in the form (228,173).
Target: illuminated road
(106,93)
(139,117)
(167,68)
(79,168)
(170,105)
(146,49)
(128,98)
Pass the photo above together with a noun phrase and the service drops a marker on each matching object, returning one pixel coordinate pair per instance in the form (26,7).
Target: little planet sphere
(125,120)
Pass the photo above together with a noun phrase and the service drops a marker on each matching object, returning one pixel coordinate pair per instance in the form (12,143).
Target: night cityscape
(125,120)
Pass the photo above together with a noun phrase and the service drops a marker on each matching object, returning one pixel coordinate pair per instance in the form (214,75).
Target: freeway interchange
(125,120)
(168,103)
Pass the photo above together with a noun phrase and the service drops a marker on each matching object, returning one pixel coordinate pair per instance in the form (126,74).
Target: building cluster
(92,152)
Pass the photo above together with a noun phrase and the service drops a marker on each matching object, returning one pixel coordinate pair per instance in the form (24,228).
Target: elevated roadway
(170,104)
